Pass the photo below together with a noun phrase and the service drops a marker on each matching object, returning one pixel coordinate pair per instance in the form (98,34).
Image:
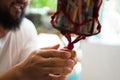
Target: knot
(70,46)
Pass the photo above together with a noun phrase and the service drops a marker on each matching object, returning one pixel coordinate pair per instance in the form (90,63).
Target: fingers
(54,77)
(49,61)
(57,77)
(56,70)
(52,47)
(57,62)
(73,53)
(53,65)
(54,53)
(54,58)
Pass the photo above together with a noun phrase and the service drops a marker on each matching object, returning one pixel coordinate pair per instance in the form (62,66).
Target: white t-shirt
(17,45)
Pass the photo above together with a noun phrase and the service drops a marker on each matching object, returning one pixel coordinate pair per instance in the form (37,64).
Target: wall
(100,62)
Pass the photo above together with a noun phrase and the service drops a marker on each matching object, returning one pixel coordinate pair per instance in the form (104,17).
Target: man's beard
(9,23)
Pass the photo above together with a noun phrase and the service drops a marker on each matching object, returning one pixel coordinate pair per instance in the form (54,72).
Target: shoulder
(26,32)
(27,24)
(27,28)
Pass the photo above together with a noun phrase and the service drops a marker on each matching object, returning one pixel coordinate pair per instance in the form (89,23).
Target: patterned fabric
(78,17)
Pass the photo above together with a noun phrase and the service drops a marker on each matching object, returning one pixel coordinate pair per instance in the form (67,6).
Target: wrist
(12,74)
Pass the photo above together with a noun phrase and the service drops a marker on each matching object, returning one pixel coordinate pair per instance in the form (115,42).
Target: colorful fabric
(78,17)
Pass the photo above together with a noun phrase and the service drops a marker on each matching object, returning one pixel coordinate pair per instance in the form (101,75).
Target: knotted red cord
(76,26)
(70,42)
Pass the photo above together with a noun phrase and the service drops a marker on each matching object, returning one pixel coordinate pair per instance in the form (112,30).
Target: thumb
(52,47)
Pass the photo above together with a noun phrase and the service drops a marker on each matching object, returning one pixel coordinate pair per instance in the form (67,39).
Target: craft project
(79,17)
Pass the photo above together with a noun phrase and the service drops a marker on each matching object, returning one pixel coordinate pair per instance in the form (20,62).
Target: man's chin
(15,24)
(11,23)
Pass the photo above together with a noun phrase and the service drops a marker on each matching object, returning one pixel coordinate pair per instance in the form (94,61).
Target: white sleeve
(29,39)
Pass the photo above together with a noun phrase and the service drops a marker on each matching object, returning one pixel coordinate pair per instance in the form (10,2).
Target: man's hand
(47,64)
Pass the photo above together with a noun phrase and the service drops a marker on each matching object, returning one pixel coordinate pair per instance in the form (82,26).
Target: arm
(41,64)
(12,74)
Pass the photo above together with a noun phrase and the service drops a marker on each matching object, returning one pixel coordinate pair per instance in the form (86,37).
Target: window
(110,21)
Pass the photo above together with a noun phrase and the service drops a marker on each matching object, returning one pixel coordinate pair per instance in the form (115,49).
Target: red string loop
(70,42)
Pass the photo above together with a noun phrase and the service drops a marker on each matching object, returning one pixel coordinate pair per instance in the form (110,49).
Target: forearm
(12,74)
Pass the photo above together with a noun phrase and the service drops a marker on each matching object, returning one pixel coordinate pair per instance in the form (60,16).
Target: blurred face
(11,13)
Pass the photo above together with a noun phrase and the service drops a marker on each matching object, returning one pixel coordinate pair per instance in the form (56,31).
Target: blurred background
(99,55)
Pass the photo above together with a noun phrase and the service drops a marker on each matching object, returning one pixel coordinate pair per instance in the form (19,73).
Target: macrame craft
(79,17)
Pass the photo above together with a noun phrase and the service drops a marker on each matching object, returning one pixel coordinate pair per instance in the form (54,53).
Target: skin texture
(49,63)
(43,64)
(12,13)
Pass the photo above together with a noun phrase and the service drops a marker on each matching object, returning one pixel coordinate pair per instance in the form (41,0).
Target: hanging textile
(79,17)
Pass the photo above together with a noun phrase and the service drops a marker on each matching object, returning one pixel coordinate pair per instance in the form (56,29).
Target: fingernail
(70,62)
(68,69)
(67,55)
